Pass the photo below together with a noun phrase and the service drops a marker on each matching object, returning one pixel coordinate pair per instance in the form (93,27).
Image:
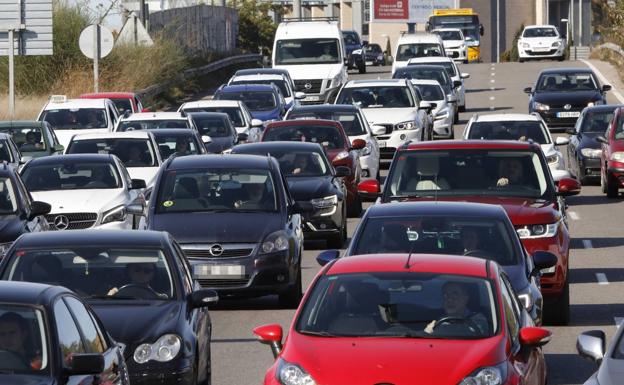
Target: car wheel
(338,240)
(520,60)
(462,108)
(561,58)
(612,188)
(362,69)
(292,296)
(558,311)
(355,209)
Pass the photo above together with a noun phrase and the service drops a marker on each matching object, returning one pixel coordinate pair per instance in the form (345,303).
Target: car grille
(315,84)
(71,221)
(388,127)
(574,107)
(226,282)
(541,53)
(229,251)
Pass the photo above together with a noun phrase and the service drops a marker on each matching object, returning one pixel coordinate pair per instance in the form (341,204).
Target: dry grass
(611,57)
(26,107)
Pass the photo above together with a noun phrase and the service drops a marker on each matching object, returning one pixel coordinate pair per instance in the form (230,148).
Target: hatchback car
(408,319)
(237,110)
(236,222)
(514,175)
(33,139)
(264,101)
(139,284)
(49,336)
(541,42)
(612,155)
(179,142)
(331,135)
(217,131)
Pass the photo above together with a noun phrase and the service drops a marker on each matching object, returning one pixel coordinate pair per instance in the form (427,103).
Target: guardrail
(613,47)
(153,90)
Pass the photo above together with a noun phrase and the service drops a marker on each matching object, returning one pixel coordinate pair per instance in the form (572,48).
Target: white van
(417,45)
(313,53)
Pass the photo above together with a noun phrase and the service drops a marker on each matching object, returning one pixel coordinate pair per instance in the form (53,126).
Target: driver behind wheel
(141,276)
(455,296)
(15,338)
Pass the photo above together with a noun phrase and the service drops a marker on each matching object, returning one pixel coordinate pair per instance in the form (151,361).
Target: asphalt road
(597,251)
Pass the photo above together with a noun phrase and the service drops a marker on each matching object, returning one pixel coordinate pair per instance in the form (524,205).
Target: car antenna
(409,256)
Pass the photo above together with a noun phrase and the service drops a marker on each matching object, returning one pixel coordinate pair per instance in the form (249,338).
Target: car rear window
(376,97)
(509,130)
(132,152)
(327,136)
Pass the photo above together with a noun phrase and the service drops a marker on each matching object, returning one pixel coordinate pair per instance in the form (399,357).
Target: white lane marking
(618,321)
(492,108)
(573,215)
(604,80)
(493,74)
(492,97)
(587,244)
(492,80)
(602,279)
(492,88)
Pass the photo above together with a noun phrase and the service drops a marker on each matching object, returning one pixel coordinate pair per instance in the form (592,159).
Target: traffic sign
(88,41)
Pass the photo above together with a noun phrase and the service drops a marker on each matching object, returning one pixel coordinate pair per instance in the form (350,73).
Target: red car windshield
(400,304)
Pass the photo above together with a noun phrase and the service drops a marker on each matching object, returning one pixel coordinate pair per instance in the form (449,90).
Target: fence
(200,29)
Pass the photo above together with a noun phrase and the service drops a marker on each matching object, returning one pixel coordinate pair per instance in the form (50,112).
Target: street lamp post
(567,23)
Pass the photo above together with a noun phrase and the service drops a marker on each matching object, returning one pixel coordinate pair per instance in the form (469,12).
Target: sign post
(96,42)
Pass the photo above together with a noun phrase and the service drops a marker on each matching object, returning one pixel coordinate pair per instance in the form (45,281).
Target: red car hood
(397,361)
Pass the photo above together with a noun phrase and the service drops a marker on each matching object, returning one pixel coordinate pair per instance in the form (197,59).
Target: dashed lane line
(587,244)
(602,279)
(573,215)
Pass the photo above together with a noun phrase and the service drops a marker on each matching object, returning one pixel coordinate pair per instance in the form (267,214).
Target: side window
(93,339)
(70,341)
(183,262)
(139,105)
(579,122)
(23,192)
(511,317)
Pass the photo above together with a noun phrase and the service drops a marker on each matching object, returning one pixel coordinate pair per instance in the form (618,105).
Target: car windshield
(540,32)
(350,38)
(151,124)
(301,164)
(565,82)
(27,139)
(307,51)
(376,97)
(596,121)
(23,341)
(8,201)
(5,152)
(132,152)
(177,144)
(123,105)
(450,35)
(76,118)
(222,189)
(373,48)
(431,92)
(448,66)
(213,127)
(96,271)
(281,84)
(71,176)
(424,73)
(350,121)
(453,234)
(327,136)
(510,130)
(462,172)
(235,113)
(400,304)
(254,100)
(409,51)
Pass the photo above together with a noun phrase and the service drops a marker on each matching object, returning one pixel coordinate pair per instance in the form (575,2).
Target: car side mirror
(206,139)
(457,83)
(271,335)
(571,130)
(464,75)
(528,90)
(364,43)
(241,137)
(327,256)
(543,260)
(203,297)
(602,139)
(137,184)
(568,187)
(606,88)
(135,209)
(561,141)
(343,171)
(300,95)
(591,344)
(378,130)
(451,98)
(256,123)
(358,144)
(39,208)
(59,148)
(86,364)
(424,105)
(534,336)
(369,189)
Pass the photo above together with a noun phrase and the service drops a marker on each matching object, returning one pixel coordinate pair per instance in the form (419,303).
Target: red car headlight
(292,374)
(489,375)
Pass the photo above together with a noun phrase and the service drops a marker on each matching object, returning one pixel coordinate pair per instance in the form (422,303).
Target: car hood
(80,201)
(148,174)
(312,71)
(569,97)
(210,227)
(303,188)
(588,140)
(453,43)
(611,371)
(64,136)
(219,144)
(389,115)
(387,360)
(11,227)
(25,379)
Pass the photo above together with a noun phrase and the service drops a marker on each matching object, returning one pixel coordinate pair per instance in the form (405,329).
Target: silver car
(592,345)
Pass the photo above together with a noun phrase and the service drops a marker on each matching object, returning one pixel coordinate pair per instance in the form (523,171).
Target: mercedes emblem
(216,250)
(567,106)
(308,86)
(61,222)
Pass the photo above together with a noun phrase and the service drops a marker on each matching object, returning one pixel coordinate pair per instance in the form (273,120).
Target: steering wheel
(12,360)
(458,320)
(477,253)
(134,290)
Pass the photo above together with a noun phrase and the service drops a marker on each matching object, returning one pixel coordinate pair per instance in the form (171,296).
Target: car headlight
(277,241)
(489,375)
(341,155)
(591,152)
(526,298)
(556,44)
(117,214)
(540,107)
(410,125)
(166,348)
(591,104)
(4,247)
(368,149)
(552,159)
(617,156)
(442,114)
(538,231)
(292,374)
(329,202)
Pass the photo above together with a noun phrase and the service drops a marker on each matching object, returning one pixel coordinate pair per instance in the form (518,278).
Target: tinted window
(23,343)
(123,105)
(235,113)
(450,35)
(327,136)
(350,38)
(76,119)
(596,121)
(373,48)
(93,340)
(540,32)
(131,125)
(26,138)
(509,130)
(8,201)
(409,51)
(448,66)
(132,152)
(177,144)
(71,176)
(567,82)
(307,51)
(431,92)
(254,100)
(425,73)
(376,97)
(213,127)
(350,120)
(70,341)
(281,84)
(299,163)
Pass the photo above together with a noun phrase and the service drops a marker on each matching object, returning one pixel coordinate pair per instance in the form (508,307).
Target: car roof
(157,132)
(154,116)
(377,82)
(470,144)
(506,117)
(567,70)
(429,59)
(324,108)
(220,115)
(212,103)
(247,88)
(136,134)
(77,103)
(219,161)
(263,71)
(114,238)
(301,29)
(304,122)
(251,77)
(448,29)
(71,158)
(416,66)
(421,37)
(539,26)
(21,123)
(108,95)
(464,209)
(277,145)
(418,263)
(29,293)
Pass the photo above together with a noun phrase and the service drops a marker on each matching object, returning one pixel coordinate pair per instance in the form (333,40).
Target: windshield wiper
(320,334)
(112,297)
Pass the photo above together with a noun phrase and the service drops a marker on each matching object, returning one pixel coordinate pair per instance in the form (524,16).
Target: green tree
(256,27)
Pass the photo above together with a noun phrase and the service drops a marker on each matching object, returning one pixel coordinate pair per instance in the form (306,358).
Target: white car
(153,120)
(456,76)
(433,93)
(520,127)
(137,150)
(291,97)
(71,116)
(238,112)
(355,125)
(540,42)
(391,105)
(454,43)
(86,191)
(415,45)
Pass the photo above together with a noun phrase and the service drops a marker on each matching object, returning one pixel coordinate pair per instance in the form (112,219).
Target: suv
(355,50)
(417,45)
(285,86)
(514,175)
(540,41)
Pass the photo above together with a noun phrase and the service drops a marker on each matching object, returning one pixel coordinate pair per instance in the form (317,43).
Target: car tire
(462,108)
(338,240)
(355,209)
(520,60)
(558,311)
(290,298)
(611,188)
(362,69)
(561,58)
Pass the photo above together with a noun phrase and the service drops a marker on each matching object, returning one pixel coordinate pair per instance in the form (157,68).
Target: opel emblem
(61,222)
(216,250)
(567,106)
(308,86)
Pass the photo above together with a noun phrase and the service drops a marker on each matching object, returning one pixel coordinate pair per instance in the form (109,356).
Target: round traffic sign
(87,40)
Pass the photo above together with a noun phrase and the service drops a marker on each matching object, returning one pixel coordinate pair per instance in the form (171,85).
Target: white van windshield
(307,51)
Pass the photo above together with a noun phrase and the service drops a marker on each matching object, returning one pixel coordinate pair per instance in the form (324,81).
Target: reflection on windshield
(597,121)
(235,114)
(350,121)
(213,127)
(255,101)
(178,145)
(301,164)
(425,73)
(540,32)
(307,51)
(132,125)
(409,51)
(76,119)
(132,152)
(399,304)
(509,130)
(567,82)
(371,97)
(27,138)
(23,344)
(431,92)
(281,84)
(71,176)
(326,136)
(450,35)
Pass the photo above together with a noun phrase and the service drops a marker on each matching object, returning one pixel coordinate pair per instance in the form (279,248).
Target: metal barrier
(610,46)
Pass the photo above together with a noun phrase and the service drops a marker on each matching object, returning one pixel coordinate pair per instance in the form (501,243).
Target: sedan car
(312,181)
(408,319)
(583,155)
(540,42)
(375,55)
(34,139)
(217,131)
(560,94)
(50,336)
(236,109)
(265,101)
(236,222)
(85,190)
(139,284)
(179,142)
(592,345)
(612,155)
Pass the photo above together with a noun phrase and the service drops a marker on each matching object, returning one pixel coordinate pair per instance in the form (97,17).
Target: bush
(511,54)
(256,27)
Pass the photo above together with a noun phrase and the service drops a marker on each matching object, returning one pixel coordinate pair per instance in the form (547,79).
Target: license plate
(216,270)
(369,63)
(541,49)
(312,98)
(382,143)
(568,114)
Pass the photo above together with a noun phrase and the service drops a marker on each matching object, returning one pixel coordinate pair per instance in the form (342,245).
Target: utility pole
(297,9)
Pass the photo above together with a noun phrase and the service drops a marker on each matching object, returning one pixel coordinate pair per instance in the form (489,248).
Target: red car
(612,156)
(331,135)
(512,174)
(124,101)
(404,320)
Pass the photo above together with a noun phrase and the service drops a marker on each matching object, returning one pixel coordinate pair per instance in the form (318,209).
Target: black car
(312,181)
(375,55)
(139,284)
(50,337)
(584,150)
(236,222)
(178,141)
(217,131)
(19,214)
(560,94)
(452,228)
(355,51)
